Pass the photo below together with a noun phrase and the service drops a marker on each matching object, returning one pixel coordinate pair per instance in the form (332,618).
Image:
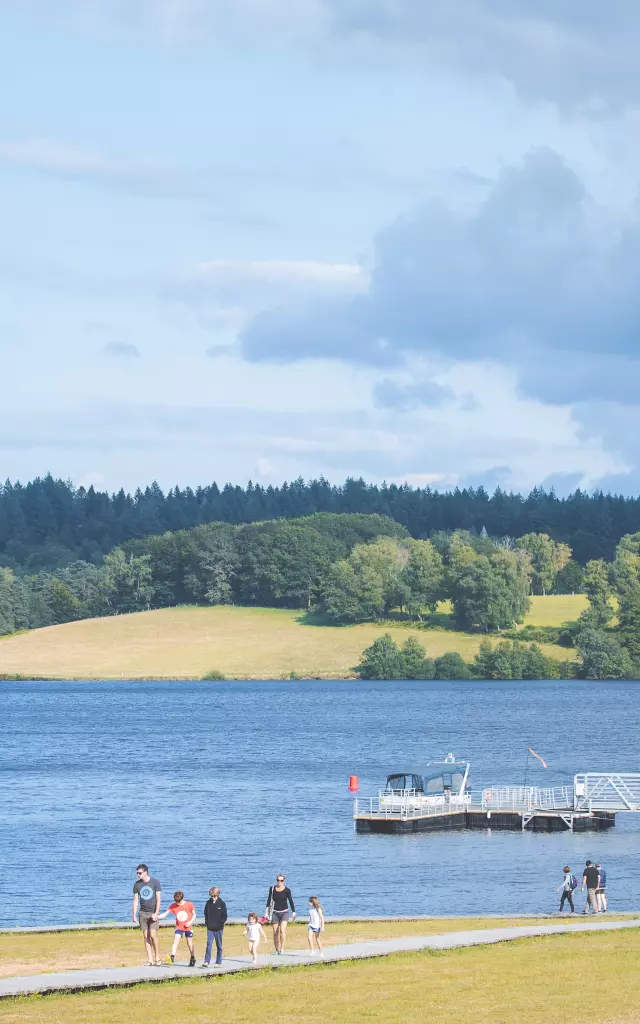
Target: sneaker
(205,964)
(192,961)
(172,958)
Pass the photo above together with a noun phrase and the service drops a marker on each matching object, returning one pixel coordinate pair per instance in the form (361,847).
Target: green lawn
(564,979)
(242,643)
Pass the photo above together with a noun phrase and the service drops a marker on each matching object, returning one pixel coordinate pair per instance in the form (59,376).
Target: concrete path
(77,981)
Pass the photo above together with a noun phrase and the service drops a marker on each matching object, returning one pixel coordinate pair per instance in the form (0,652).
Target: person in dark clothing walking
(601,891)
(567,888)
(215,918)
(590,879)
(278,902)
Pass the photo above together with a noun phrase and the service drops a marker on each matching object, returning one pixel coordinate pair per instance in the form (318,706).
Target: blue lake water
(229,783)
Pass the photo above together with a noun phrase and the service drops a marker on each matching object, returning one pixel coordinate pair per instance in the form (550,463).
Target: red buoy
(353,784)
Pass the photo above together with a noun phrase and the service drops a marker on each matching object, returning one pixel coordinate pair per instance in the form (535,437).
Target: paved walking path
(77,981)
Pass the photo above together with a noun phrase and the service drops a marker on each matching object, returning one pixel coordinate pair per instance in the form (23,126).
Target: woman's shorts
(279,916)
(181,931)
(316,931)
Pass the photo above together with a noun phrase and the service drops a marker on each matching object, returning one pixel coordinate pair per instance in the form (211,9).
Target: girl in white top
(253,931)
(316,924)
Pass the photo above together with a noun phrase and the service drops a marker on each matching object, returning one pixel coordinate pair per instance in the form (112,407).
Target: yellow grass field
(242,643)
(564,979)
(122,947)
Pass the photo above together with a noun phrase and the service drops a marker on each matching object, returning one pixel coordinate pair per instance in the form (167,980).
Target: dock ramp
(607,791)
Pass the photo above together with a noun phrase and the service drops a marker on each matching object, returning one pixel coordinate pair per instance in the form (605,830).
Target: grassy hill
(242,643)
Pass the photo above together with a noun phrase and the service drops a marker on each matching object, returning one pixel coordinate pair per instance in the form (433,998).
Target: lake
(229,783)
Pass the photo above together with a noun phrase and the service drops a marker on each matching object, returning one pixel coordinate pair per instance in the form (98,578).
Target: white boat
(440,783)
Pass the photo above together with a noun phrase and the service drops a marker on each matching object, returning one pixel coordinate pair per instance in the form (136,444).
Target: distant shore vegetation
(358,568)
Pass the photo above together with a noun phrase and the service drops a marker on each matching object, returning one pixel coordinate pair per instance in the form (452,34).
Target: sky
(278,238)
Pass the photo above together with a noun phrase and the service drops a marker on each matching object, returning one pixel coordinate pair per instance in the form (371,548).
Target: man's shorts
(181,931)
(146,922)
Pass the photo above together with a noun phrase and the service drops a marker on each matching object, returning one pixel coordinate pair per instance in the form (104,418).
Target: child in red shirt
(185,915)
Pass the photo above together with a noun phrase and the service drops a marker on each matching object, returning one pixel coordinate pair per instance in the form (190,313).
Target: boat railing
(406,806)
(527,798)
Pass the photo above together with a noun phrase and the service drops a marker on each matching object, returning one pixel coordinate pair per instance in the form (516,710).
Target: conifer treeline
(48,523)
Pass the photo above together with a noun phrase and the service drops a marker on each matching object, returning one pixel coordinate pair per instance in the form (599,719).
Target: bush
(602,657)
(213,676)
(385,660)
(416,663)
(513,660)
(382,660)
(452,666)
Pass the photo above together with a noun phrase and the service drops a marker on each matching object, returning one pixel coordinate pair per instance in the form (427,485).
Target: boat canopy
(447,775)
(437,777)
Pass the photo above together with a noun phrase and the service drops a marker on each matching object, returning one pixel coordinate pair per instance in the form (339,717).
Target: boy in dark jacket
(215,916)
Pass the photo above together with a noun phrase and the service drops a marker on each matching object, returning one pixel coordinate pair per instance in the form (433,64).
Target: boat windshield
(400,783)
(444,777)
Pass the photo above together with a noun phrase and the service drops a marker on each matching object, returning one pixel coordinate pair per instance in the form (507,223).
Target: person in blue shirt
(601,891)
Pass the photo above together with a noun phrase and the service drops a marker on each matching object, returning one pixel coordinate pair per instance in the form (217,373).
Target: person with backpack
(601,891)
(569,884)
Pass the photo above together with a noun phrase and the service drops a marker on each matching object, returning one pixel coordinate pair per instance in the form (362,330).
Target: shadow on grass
(432,620)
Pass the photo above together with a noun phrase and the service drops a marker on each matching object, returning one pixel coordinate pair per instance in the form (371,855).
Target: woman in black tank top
(278,902)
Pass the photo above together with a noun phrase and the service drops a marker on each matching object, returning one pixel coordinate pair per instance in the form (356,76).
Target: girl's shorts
(316,931)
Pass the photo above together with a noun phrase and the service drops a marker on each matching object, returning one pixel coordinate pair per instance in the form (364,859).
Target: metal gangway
(592,794)
(607,791)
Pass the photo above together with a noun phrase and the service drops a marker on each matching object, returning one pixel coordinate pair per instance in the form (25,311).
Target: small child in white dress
(316,924)
(254,932)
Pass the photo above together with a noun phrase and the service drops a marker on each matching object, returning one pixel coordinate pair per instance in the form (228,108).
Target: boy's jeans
(218,940)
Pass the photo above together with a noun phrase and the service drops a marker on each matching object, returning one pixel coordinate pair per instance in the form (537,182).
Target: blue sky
(291,237)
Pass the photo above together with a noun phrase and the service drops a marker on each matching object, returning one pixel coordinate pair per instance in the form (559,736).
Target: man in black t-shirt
(590,879)
(147,896)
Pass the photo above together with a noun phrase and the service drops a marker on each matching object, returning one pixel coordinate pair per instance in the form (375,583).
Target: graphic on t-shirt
(146,892)
(183,913)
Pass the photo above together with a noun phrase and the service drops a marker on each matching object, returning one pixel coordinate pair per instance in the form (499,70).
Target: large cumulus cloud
(537,277)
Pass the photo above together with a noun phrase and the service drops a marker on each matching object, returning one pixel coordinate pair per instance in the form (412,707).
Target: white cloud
(307,274)
(224,294)
(582,54)
(75,163)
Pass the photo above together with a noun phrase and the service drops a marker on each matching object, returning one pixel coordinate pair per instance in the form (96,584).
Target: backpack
(603,878)
(574,882)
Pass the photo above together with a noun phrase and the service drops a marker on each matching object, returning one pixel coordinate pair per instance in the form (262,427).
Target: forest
(46,524)
(350,568)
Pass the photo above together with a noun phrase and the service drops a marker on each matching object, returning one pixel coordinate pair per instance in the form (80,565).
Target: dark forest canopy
(48,523)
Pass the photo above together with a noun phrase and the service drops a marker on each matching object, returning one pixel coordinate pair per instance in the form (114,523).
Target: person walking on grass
(590,879)
(601,891)
(569,883)
(215,918)
(316,925)
(147,898)
(278,902)
(185,915)
(254,931)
